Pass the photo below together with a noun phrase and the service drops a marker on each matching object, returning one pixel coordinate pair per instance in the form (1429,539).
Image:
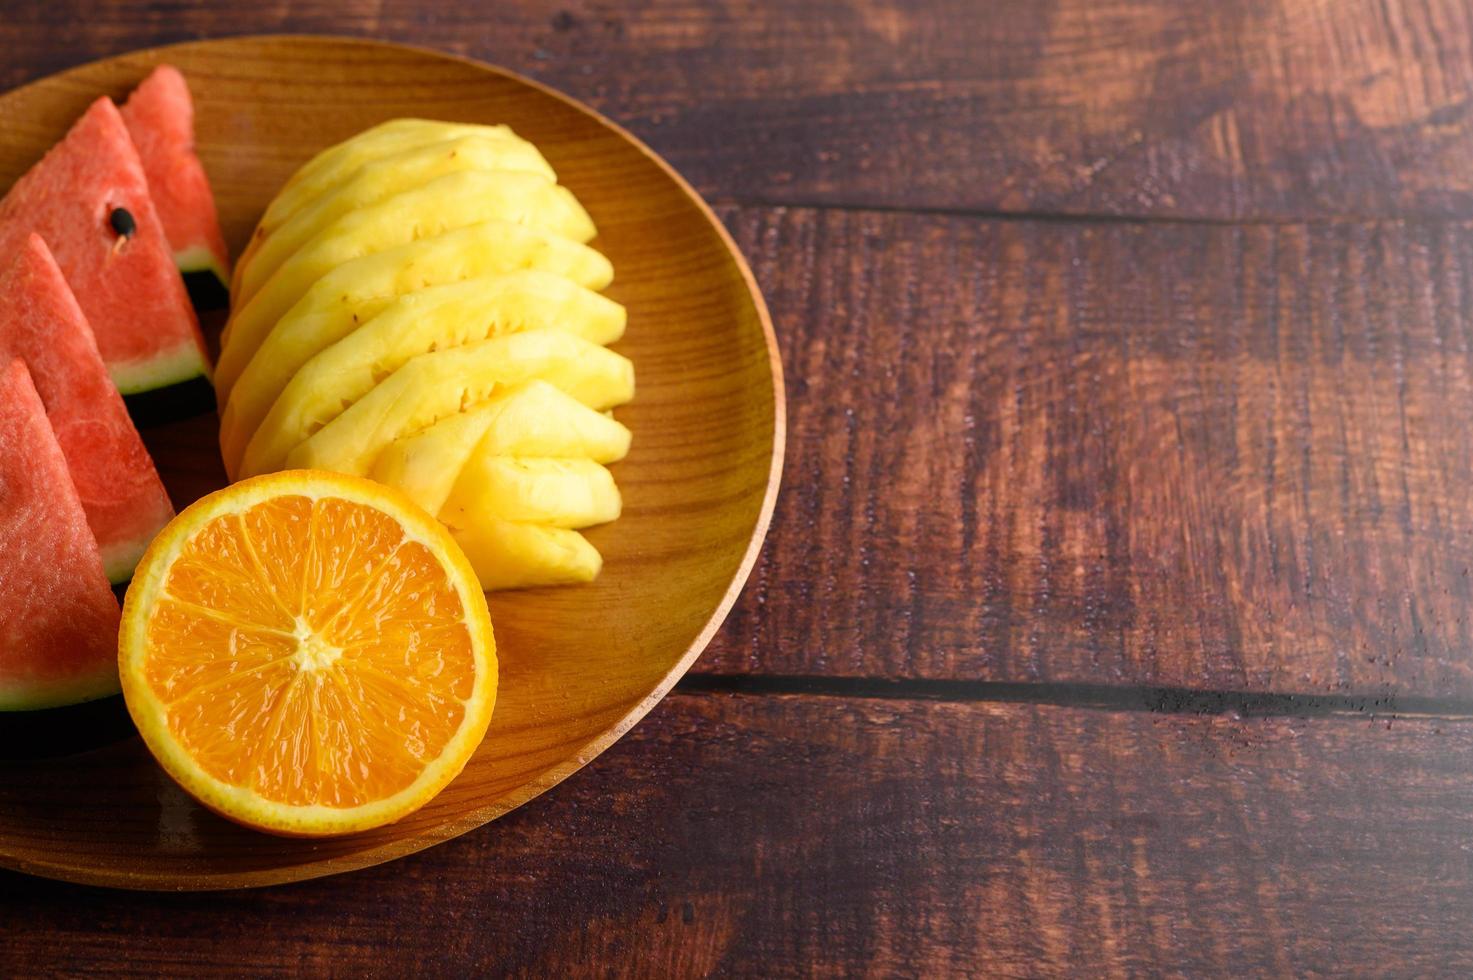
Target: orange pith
(300,652)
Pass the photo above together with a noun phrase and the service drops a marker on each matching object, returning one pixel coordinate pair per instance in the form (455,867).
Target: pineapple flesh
(435,386)
(511,478)
(532,419)
(338,163)
(354,292)
(437,318)
(508,555)
(418,305)
(567,493)
(378,181)
(448,202)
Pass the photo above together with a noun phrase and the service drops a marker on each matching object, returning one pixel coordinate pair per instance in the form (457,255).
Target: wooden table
(1117,615)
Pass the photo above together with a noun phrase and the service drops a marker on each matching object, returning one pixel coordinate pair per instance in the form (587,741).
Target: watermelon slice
(89,199)
(120,490)
(58,617)
(160,118)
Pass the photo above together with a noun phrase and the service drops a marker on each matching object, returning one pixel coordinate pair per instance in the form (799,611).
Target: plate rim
(588,751)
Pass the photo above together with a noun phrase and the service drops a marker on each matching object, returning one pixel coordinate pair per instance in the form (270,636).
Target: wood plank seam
(1409,219)
(1106,697)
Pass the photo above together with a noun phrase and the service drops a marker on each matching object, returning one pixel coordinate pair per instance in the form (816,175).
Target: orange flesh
(310,652)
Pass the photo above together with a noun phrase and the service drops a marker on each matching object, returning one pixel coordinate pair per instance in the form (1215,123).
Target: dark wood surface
(787,835)
(1116,613)
(1227,109)
(1196,455)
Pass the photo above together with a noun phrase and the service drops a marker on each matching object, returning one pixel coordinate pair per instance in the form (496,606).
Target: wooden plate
(579,665)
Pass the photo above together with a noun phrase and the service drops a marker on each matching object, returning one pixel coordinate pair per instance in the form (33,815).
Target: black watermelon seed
(122,222)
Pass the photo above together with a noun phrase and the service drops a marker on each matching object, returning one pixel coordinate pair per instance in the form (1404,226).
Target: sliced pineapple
(507,555)
(340,161)
(356,291)
(433,386)
(448,202)
(437,318)
(376,181)
(532,490)
(534,419)
(416,305)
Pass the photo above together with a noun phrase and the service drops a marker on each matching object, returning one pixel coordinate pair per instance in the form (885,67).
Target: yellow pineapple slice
(437,318)
(340,161)
(448,202)
(356,291)
(507,555)
(433,386)
(568,493)
(375,181)
(534,419)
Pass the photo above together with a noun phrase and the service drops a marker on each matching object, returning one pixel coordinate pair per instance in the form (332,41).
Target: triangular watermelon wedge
(120,490)
(89,199)
(58,616)
(160,118)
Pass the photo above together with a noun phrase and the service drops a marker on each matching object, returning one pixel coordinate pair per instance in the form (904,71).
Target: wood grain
(578,666)
(1237,108)
(1030,451)
(1216,457)
(781,837)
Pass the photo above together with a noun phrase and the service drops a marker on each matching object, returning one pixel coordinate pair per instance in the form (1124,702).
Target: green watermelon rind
(197,258)
(37,697)
(195,396)
(184,363)
(119,561)
(206,280)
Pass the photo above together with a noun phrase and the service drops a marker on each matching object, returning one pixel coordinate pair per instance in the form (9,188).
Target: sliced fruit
(59,628)
(308,654)
(452,201)
(534,419)
(115,479)
(514,517)
(339,162)
(507,555)
(89,199)
(160,118)
(433,386)
(379,180)
(263,362)
(437,318)
(533,490)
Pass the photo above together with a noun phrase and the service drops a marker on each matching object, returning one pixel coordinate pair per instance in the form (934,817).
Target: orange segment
(277,531)
(215,570)
(348,547)
(308,653)
(203,648)
(215,723)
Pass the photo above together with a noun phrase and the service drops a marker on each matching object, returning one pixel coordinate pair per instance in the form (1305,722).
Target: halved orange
(308,653)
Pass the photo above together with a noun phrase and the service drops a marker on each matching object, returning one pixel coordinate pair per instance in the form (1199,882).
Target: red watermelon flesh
(58,616)
(160,118)
(128,285)
(120,490)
